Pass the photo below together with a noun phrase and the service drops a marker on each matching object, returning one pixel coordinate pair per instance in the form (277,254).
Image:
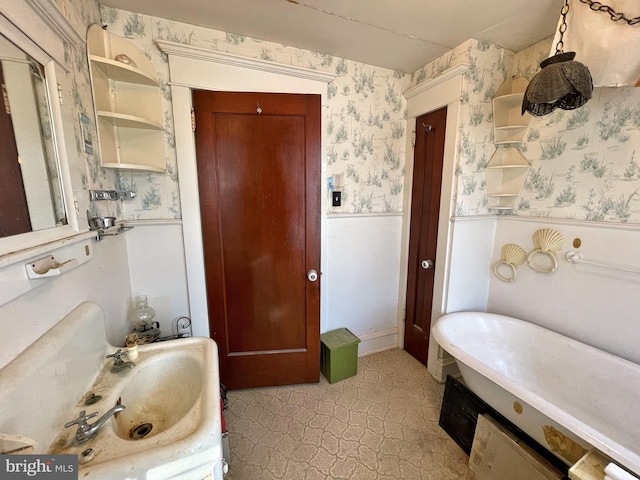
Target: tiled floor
(380,424)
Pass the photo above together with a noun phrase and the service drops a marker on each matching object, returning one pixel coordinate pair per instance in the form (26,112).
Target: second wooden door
(423,235)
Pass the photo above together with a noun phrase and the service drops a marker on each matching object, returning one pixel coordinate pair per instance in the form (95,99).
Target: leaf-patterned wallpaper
(584,163)
(365,120)
(488,68)
(85,168)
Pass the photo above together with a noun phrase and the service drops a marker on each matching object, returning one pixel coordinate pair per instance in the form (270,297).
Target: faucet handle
(119,364)
(117,356)
(81,421)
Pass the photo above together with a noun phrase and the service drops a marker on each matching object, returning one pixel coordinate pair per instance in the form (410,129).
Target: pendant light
(561,82)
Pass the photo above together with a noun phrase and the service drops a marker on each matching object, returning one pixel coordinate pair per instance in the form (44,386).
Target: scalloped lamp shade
(561,83)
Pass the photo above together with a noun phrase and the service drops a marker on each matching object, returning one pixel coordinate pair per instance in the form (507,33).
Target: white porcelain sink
(172,400)
(170,427)
(159,393)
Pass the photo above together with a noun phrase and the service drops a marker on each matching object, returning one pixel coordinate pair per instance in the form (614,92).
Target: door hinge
(193,120)
(5,97)
(59,93)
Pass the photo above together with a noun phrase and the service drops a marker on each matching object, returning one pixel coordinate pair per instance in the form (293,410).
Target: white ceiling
(400,35)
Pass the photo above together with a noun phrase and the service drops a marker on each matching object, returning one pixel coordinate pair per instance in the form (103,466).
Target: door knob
(427,264)
(312,275)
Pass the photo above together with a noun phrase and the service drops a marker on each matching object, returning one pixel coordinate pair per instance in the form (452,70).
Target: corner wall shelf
(507,169)
(128,103)
(130,121)
(121,72)
(509,124)
(505,175)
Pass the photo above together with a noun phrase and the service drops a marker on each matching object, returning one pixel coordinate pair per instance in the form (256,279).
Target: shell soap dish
(548,240)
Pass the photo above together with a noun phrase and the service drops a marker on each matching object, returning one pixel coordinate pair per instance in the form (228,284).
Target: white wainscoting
(104,280)
(158,270)
(471,250)
(361,278)
(467,285)
(595,305)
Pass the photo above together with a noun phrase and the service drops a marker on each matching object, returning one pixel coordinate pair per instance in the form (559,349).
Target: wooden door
(423,235)
(14,212)
(258,163)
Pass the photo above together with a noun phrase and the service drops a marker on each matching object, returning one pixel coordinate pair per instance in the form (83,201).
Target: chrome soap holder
(113,231)
(110,195)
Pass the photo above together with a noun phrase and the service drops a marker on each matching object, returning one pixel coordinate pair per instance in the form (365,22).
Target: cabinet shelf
(511,128)
(505,175)
(133,166)
(523,167)
(509,100)
(507,169)
(122,72)
(128,121)
(499,207)
(509,134)
(509,124)
(128,103)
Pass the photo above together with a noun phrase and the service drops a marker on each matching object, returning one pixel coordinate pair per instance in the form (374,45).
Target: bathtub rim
(580,428)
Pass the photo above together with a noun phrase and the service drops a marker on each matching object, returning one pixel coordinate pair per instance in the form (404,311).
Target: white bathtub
(565,387)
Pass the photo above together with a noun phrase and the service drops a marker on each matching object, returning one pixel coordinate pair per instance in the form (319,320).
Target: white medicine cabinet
(128,103)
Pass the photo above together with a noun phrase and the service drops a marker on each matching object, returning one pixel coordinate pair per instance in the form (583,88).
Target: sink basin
(171,425)
(171,399)
(158,394)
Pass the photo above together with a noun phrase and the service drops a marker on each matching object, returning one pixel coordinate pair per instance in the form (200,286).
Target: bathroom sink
(158,394)
(170,427)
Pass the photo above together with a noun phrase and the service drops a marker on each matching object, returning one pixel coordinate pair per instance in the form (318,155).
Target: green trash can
(338,354)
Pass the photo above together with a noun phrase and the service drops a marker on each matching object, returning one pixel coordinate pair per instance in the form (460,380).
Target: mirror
(31,197)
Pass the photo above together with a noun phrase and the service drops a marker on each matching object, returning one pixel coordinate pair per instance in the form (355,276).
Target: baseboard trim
(376,342)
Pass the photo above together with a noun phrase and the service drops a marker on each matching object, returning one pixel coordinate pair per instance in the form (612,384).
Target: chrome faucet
(85,431)
(119,364)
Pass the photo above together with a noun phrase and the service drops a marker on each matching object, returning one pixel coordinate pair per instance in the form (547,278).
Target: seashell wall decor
(547,242)
(511,256)
(514,254)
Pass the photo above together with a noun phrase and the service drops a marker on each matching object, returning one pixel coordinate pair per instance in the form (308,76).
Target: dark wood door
(258,163)
(14,212)
(423,235)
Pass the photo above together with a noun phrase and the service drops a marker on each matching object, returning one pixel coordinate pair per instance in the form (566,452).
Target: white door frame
(198,68)
(443,91)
